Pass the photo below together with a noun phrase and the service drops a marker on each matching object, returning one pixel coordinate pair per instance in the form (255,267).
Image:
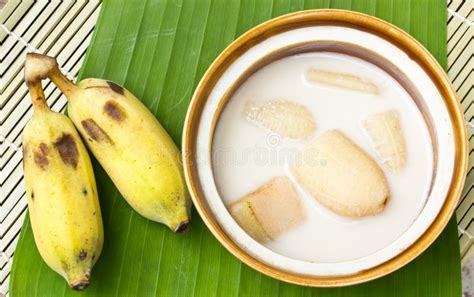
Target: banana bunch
(127,140)
(61,190)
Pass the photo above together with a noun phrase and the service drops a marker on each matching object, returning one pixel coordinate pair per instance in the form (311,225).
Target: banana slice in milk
(387,137)
(288,119)
(341,80)
(269,211)
(341,176)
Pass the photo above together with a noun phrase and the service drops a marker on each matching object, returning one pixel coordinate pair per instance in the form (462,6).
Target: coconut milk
(246,156)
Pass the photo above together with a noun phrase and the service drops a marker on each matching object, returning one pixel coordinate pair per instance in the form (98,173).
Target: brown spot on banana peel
(41,156)
(97,87)
(30,83)
(39,99)
(67,149)
(116,88)
(43,148)
(32,196)
(82,255)
(114,111)
(25,152)
(84,191)
(94,131)
(110,86)
(64,265)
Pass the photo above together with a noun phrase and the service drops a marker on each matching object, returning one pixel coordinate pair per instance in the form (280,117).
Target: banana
(288,119)
(387,137)
(60,186)
(341,176)
(270,210)
(130,144)
(342,80)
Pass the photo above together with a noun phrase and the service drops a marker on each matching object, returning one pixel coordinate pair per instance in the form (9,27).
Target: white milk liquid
(246,156)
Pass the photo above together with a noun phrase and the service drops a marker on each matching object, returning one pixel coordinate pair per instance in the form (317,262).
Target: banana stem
(38,67)
(62,82)
(37,95)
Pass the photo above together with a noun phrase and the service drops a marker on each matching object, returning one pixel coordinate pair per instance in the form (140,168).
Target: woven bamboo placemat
(64,29)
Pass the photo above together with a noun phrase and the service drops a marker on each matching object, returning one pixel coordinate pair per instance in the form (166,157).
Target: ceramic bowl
(366,37)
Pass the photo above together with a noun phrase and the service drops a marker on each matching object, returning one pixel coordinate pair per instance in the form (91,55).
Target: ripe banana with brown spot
(62,196)
(130,144)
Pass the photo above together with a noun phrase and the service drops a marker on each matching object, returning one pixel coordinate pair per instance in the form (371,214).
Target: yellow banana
(61,190)
(130,144)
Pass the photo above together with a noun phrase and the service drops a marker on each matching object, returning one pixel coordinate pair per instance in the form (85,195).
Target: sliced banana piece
(341,80)
(269,211)
(341,176)
(387,137)
(285,118)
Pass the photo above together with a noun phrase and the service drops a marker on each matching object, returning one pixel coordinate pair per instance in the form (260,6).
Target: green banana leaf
(159,50)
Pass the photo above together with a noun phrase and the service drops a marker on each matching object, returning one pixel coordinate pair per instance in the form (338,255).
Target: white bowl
(438,109)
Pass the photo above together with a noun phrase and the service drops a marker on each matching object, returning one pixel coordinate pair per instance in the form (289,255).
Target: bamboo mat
(64,29)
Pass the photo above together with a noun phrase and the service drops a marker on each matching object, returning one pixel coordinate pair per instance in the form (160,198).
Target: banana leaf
(159,50)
